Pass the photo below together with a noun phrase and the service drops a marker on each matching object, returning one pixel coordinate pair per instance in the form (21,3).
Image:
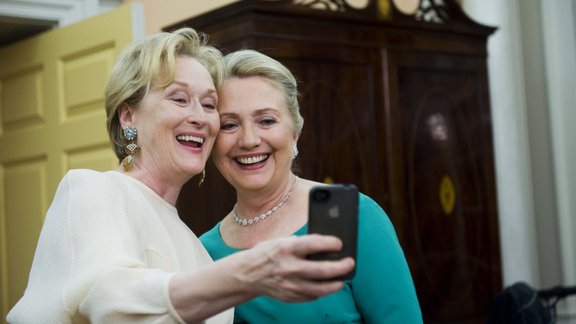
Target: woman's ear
(295,136)
(125,114)
(297,132)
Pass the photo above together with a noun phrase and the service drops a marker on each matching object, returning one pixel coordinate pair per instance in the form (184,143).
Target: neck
(251,208)
(168,190)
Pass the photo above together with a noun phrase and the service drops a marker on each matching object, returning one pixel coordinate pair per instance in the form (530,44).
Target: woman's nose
(196,113)
(250,138)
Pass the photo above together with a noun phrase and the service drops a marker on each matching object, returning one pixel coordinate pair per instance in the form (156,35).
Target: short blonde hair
(151,62)
(249,63)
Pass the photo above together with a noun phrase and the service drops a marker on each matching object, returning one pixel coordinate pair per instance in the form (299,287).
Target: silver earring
(294,151)
(131,148)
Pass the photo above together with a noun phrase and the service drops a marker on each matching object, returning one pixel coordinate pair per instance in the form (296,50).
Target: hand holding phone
(333,210)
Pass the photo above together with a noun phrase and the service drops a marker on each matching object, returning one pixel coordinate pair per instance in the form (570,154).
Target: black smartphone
(333,210)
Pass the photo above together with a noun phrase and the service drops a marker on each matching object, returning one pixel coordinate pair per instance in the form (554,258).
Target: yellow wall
(160,14)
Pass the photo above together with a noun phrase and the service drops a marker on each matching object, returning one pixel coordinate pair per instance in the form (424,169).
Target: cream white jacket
(107,250)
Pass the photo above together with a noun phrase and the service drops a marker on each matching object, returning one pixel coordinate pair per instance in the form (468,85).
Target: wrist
(249,270)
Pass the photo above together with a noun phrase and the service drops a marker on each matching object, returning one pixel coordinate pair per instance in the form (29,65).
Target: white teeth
(190,138)
(252,159)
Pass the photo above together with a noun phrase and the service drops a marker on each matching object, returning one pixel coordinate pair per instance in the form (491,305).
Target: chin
(193,170)
(253,183)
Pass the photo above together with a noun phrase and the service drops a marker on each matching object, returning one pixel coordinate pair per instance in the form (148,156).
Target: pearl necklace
(246,221)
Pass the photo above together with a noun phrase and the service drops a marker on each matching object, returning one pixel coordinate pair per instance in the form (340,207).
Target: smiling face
(177,125)
(254,146)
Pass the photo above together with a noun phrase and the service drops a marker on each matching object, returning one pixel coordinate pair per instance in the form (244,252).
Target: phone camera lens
(321,195)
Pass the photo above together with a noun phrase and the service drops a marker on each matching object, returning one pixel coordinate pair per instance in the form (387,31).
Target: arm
(383,287)
(92,262)
(275,268)
(88,264)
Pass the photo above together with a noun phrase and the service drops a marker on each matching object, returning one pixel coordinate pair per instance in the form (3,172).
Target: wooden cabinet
(398,105)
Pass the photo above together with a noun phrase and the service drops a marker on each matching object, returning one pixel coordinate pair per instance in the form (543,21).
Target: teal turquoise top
(382,291)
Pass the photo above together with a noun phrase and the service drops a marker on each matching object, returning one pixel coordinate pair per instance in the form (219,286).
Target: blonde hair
(151,62)
(249,63)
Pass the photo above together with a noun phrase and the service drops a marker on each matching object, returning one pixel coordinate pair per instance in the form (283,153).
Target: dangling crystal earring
(294,151)
(130,134)
(202,177)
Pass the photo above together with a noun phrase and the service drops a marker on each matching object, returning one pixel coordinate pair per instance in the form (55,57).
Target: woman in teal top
(381,291)
(260,124)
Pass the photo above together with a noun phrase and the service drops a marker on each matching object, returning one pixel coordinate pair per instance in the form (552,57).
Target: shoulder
(211,239)
(372,217)
(367,205)
(211,234)
(83,186)
(82,176)
(213,243)
(90,181)
(77,178)
(82,200)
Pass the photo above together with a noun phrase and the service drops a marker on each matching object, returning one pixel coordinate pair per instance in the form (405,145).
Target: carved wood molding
(427,11)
